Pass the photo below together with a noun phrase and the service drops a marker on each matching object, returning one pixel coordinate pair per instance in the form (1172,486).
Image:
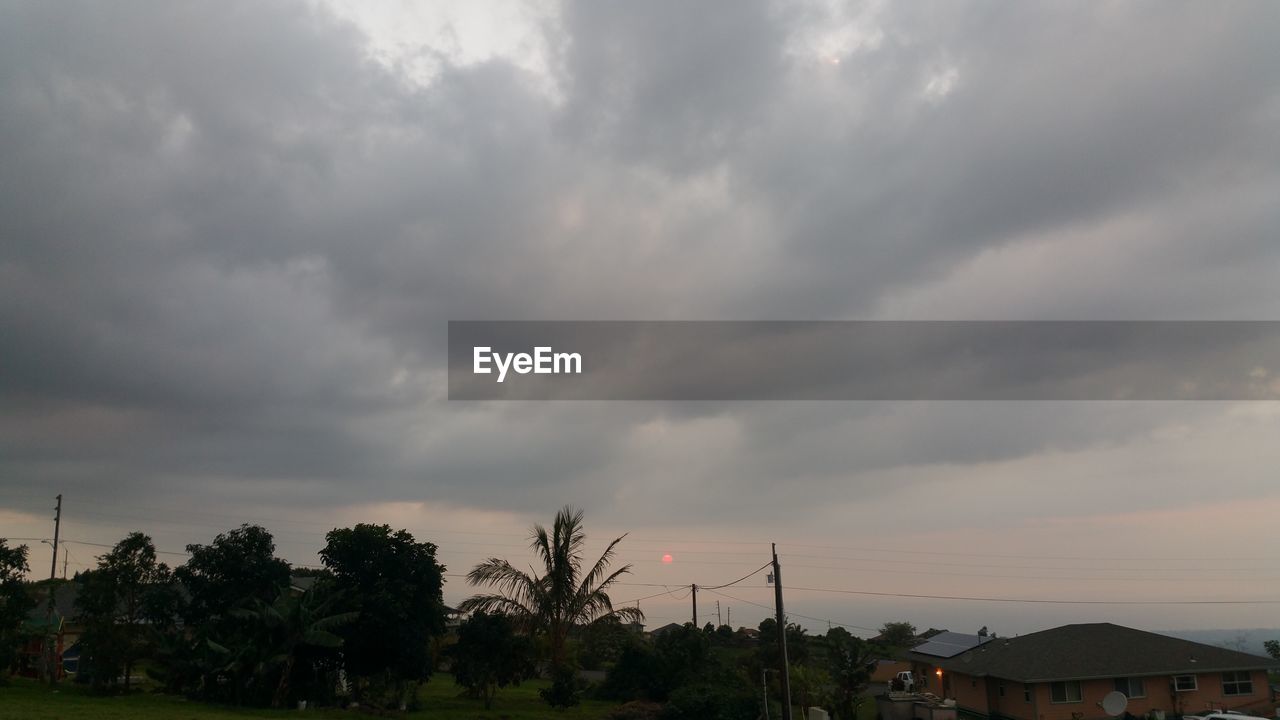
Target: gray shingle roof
(1094,650)
(949,644)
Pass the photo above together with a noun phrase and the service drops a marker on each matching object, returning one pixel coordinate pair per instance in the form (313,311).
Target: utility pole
(784,672)
(719,620)
(65,553)
(694,588)
(57,527)
(51,665)
(728,611)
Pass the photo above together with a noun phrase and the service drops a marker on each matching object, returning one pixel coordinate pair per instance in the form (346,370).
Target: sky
(232,235)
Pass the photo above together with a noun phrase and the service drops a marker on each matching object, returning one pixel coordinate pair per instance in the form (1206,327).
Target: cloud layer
(233,233)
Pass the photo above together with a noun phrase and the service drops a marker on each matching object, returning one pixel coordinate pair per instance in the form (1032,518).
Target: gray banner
(864,360)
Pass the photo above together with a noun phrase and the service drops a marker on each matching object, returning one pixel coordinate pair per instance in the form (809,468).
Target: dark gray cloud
(230,240)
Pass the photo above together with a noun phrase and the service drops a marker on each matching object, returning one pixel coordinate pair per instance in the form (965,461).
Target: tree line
(230,624)
(236,624)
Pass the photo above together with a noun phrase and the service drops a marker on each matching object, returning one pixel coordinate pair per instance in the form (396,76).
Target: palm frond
(602,565)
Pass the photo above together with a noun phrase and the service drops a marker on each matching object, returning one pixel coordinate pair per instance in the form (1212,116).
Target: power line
(105,545)
(1103,578)
(1019,557)
(735,582)
(667,542)
(1039,600)
(952,563)
(924,596)
(672,593)
(799,615)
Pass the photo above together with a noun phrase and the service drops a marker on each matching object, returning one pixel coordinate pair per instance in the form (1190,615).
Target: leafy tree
(681,668)
(797,644)
(637,675)
(809,686)
(235,571)
(603,642)
(395,583)
(653,671)
(559,598)
(490,655)
(1273,648)
(128,589)
(239,566)
(15,601)
(897,635)
(850,662)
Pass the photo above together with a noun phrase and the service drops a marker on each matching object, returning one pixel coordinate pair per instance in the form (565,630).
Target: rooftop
(1093,650)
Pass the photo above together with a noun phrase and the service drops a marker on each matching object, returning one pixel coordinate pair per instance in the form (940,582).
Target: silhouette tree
(116,600)
(490,655)
(396,584)
(561,596)
(294,622)
(15,601)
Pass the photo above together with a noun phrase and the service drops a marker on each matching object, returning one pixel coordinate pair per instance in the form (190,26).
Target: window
(1026,693)
(1064,692)
(1237,683)
(1184,683)
(1131,687)
(1001,689)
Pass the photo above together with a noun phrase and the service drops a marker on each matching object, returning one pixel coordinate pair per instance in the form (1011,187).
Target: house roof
(1093,650)
(64,606)
(666,628)
(949,644)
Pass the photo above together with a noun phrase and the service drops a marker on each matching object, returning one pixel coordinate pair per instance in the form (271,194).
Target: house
(1064,673)
(56,622)
(665,629)
(887,668)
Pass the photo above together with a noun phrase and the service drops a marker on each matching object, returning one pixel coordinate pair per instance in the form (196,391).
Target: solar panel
(949,644)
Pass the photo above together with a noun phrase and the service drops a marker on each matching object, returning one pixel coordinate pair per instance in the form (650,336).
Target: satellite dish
(1114,703)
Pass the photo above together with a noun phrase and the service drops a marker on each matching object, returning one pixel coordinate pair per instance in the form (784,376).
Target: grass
(26,699)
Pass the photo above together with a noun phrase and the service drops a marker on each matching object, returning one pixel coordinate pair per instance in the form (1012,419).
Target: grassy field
(27,700)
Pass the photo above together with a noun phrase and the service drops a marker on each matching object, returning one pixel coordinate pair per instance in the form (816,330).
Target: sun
(667,559)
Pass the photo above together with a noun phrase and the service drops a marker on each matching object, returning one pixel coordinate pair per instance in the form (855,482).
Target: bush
(711,702)
(636,676)
(564,691)
(651,672)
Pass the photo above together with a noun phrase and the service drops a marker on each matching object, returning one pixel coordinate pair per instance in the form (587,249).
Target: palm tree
(559,598)
(292,622)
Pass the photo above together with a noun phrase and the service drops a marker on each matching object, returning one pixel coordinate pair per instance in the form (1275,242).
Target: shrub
(711,702)
(564,691)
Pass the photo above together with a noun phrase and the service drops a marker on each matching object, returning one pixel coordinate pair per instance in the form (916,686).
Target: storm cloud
(232,235)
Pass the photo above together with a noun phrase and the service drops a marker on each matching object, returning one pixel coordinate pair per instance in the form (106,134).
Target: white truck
(907,680)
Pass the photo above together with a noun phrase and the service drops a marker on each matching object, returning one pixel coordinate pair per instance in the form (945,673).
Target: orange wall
(1207,696)
(969,692)
(982,695)
(886,671)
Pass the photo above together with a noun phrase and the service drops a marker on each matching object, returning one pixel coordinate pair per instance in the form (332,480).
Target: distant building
(1064,673)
